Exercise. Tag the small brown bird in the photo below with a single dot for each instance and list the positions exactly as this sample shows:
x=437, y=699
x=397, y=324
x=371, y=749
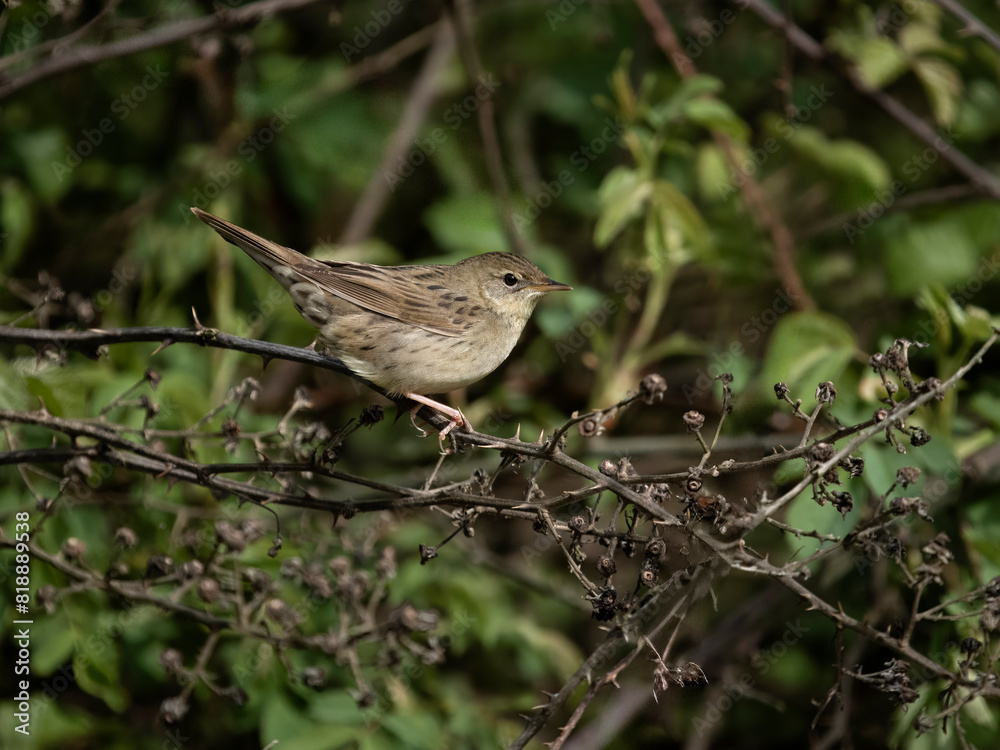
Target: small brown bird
x=413, y=330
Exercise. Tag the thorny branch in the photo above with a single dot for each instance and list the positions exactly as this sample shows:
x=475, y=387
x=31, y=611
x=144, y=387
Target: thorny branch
x=640, y=520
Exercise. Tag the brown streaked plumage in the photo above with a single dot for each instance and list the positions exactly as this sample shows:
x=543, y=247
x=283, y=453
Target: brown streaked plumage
x=413, y=330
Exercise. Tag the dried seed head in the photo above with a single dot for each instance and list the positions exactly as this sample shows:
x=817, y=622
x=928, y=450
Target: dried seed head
x=172, y=710
x=606, y=566
x=655, y=548
x=822, y=452
x=190, y=569
x=826, y=393
x=652, y=388
x=693, y=420
x=385, y=568
x=172, y=660
x=73, y=548
x=371, y=414
x=126, y=538
x=227, y=534
x=781, y=391
x=579, y=524
x=314, y=678
x=591, y=427
x=209, y=590
x=649, y=577
x=281, y=613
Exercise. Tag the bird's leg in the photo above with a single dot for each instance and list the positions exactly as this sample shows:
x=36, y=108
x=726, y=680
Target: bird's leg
x=457, y=418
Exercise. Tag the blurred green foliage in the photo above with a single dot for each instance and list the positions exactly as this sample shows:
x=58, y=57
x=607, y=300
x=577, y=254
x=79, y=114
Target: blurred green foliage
x=619, y=188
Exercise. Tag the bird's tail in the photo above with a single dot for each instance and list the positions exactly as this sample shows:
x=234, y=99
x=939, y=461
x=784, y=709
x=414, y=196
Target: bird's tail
x=274, y=258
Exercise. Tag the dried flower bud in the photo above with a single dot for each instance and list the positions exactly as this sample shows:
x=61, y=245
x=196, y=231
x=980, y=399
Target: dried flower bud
x=339, y=565
x=385, y=568
x=608, y=468
x=993, y=587
x=655, y=548
x=693, y=420
x=292, y=567
x=822, y=452
x=415, y=620
x=933, y=385
x=190, y=569
x=590, y=427
x=227, y=534
x=625, y=468
x=826, y=393
x=314, y=678
x=126, y=538
x=692, y=485
x=579, y=524
x=606, y=566
x=880, y=415
x=172, y=660
x=281, y=613
x=855, y=466
x=371, y=415
x=209, y=590
x=47, y=596
x=990, y=618
x=649, y=577
x=907, y=475
x=152, y=377
x=231, y=429
x=172, y=710
x=843, y=502
x=877, y=361
x=652, y=388
x=252, y=529
x=781, y=391
x=427, y=553
x=159, y=565
x=73, y=548
x=919, y=437
x=971, y=645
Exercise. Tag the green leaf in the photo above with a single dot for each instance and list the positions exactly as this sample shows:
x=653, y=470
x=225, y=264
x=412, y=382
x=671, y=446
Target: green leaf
x=943, y=85
x=688, y=90
x=712, y=170
x=673, y=226
x=850, y=160
x=880, y=61
x=715, y=114
x=937, y=250
x=466, y=225
x=979, y=111
x=98, y=673
x=16, y=221
x=47, y=161
x=622, y=196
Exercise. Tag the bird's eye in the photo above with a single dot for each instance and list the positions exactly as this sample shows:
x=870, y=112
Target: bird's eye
x=510, y=280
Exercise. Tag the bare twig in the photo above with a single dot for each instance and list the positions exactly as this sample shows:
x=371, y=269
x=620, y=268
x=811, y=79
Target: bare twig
x=79, y=56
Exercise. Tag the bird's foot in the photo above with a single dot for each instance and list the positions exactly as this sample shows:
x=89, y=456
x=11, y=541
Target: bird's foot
x=457, y=419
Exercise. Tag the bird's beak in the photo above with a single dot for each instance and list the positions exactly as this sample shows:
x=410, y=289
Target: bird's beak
x=550, y=286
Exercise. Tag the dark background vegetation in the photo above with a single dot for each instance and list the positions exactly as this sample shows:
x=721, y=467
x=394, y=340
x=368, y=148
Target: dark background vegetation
x=354, y=131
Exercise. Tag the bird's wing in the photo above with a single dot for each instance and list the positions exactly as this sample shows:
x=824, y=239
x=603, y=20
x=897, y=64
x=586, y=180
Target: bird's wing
x=417, y=295
x=411, y=294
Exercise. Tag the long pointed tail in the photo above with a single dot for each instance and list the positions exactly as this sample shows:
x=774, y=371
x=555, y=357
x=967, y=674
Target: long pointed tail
x=274, y=258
